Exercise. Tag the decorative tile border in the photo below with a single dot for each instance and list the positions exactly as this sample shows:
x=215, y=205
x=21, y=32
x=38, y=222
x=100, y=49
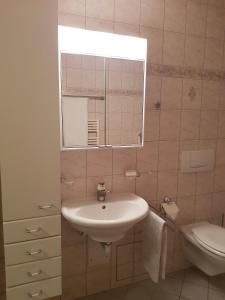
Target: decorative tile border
x=99, y=92
x=185, y=72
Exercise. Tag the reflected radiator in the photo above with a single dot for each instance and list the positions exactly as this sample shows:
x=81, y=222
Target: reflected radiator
x=93, y=132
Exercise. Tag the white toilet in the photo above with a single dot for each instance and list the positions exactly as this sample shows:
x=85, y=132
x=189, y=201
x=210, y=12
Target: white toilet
x=204, y=247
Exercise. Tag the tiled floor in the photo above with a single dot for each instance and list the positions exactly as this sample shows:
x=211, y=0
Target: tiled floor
x=184, y=285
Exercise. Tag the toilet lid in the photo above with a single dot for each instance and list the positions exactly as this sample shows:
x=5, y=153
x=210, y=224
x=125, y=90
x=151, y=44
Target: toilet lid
x=210, y=236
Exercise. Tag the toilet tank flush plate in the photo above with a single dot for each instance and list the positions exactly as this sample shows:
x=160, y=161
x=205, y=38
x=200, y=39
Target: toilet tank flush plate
x=197, y=161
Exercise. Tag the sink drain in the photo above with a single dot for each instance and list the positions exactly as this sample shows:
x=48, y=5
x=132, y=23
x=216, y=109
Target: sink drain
x=103, y=207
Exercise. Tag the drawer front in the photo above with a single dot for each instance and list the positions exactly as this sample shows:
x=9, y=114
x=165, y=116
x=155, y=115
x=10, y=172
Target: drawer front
x=35, y=271
x=30, y=209
x=31, y=229
x=32, y=251
x=38, y=290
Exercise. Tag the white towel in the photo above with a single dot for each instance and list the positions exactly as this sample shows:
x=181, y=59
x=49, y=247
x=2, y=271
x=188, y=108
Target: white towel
x=155, y=246
x=75, y=121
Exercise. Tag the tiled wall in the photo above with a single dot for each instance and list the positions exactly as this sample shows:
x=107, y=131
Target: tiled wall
x=186, y=64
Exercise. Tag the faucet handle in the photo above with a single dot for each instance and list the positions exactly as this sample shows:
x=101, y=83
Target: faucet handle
x=101, y=186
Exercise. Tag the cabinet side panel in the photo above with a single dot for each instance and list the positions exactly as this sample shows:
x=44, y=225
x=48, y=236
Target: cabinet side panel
x=29, y=117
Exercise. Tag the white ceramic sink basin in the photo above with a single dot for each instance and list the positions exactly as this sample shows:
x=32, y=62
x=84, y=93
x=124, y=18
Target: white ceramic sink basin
x=105, y=221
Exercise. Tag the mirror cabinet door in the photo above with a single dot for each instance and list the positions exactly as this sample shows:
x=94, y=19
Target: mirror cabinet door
x=102, y=101
x=124, y=101
x=83, y=100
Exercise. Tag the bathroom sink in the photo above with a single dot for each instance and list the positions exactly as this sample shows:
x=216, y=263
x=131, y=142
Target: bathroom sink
x=106, y=221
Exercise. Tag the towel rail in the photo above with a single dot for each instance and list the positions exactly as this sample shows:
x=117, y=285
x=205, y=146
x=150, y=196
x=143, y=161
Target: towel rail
x=169, y=223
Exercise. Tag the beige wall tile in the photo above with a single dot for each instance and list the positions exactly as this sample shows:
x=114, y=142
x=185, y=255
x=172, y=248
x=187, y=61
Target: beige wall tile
x=207, y=144
x=153, y=91
x=218, y=204
x=147, y=157
x=205, y=182
x=152, y=125
x=70, y=236
x=186, y=184
x=190, y=125
x=218, y=3
x=146, y=186
x=102, y=9
x=127, y=11
x=192, y=94
x=222, y=124
x=203, y=207
x=187, y=207
x=209, y=124
x=127, y=29
x=167, y=184
x=73, y=188
x=173, y=50
x=220, y=157
x=122, y=184
x=171, y=93
x=196, y=18
x=168, y=155
x=155, y=43
x=76, y=7
x=99, y=24
x=194, y=51
x=215, y=23
x=212, y=92
x=169, y=125
x=99, y=162
x=214, y=54
x=73, y=164
x=123, y=160
x=152, y=13
x=175, y=15
x=219, y=179
x=67, y=19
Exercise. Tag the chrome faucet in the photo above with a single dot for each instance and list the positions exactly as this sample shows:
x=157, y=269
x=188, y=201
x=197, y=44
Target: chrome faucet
x=101, y=191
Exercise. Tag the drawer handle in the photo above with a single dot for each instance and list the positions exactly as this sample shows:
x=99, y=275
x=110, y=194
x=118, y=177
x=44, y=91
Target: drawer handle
x=34, y=274
x=33, y=252
x=33, y=230
x=35, y=295
x=48, y=206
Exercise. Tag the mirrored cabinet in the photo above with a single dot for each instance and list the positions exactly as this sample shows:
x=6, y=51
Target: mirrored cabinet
x=102, y=95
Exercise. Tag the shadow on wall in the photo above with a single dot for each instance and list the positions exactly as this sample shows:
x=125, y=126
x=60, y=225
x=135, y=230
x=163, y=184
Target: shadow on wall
x=2, y=268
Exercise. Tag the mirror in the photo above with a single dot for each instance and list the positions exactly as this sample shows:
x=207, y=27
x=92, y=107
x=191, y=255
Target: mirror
x=102, y=96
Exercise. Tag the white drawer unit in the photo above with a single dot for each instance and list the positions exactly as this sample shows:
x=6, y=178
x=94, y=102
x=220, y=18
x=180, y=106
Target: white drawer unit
x=31, y=229
x=38, y=290
x=32, y=251
x=35, y=271
x=30, y=151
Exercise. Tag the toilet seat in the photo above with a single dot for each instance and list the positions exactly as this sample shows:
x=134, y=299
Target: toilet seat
x=211, y=237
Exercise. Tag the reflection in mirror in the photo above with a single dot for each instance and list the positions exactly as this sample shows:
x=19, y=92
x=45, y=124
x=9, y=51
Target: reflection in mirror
x=102, y=89
x=124, y=101
x=83, y=100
